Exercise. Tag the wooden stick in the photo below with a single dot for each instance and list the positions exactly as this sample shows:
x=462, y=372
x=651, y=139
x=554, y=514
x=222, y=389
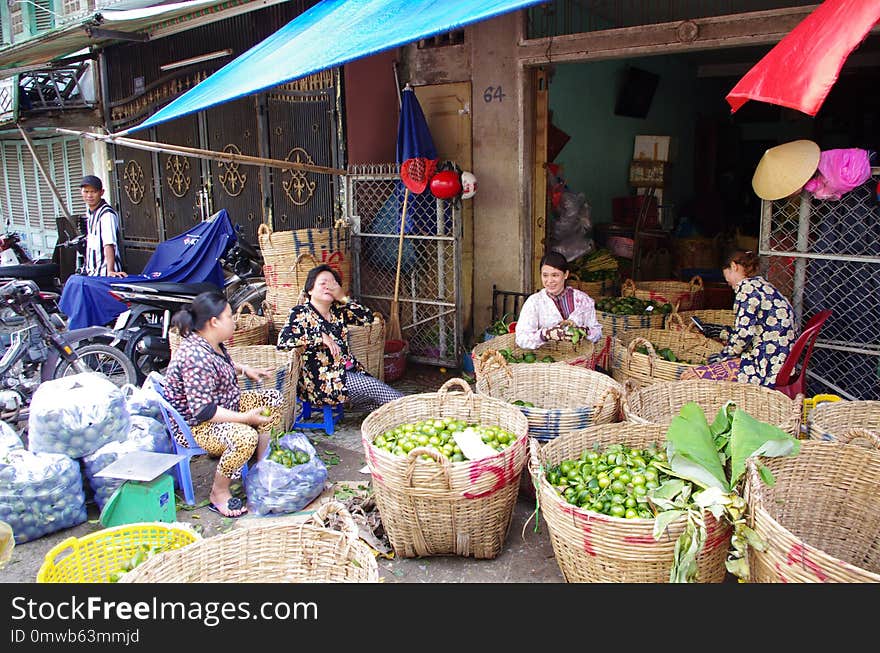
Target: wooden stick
x=394, y=332
x=169, y=148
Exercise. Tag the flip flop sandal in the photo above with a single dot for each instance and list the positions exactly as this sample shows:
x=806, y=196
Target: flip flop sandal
x=234, y=503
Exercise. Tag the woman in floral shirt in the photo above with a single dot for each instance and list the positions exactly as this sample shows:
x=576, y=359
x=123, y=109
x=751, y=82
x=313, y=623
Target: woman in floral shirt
x=330, y=374
x=763, y=330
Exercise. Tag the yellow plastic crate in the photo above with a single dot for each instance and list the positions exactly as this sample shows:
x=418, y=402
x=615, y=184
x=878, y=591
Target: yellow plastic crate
x=92, y=558
x=811, y=403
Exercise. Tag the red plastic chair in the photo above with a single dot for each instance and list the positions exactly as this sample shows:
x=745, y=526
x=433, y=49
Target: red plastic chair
x=792, y=377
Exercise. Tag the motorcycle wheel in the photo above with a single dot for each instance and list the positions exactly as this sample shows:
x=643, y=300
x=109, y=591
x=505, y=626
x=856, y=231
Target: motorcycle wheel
x=103, y=359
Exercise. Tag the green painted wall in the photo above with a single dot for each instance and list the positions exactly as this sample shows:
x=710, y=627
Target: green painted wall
x=597, y=158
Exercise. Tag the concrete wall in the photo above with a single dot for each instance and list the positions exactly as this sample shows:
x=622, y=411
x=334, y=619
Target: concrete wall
x=597, y=158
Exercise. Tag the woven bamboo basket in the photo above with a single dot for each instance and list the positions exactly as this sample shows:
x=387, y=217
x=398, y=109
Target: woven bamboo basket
x=683, y=295
x=604, y=288
x=281, y=251
x=367, y=344
x=566, y=398
x=626, y=363
x=591, y=547
x=613, y=324
x=286, y=365
x=681, y=321
x=830, y=418
x=584, y=354
x=821, y=520
x=277, y=306
x=250, y=329
x=309, y=552
x=439, y=507
x=658, y=403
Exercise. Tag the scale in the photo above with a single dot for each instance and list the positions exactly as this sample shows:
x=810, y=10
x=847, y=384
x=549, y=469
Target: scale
x=148, y=492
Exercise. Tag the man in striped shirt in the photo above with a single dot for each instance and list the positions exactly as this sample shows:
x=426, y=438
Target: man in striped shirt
x=103, y=257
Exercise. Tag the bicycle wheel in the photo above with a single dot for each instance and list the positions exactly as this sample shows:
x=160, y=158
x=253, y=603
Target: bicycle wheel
x=103, y=359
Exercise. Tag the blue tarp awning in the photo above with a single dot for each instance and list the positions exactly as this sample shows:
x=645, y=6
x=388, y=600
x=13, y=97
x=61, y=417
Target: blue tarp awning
x=330, y=34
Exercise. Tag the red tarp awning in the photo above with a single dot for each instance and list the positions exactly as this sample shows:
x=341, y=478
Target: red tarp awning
x=800, y=70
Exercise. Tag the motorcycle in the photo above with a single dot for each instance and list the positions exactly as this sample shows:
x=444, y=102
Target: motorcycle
x=144, y=326
x=43, y=349
x=15, y=262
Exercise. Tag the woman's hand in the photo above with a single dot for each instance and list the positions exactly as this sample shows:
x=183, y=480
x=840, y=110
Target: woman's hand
x=255, y=417
x=332, y=345
x=255, y=373
x=557, y=333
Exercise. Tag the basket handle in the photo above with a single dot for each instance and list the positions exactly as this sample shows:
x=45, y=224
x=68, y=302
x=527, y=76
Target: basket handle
x=492, y=359
x=628, y=288
x=267, y=309
x=301, y=257
x=264, y=230
x=347, y=525
x=678, y=319
x=635, y=342
x=438, y=457
x=696, y=283
x=860, y=434
x=242, y=307
x=611, y=391
x=444, y=389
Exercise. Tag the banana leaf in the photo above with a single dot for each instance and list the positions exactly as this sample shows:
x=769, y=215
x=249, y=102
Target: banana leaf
x=691, y=451
x=750, y=437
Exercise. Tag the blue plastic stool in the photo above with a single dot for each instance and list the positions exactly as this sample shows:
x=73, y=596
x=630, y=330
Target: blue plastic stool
x=331, y=416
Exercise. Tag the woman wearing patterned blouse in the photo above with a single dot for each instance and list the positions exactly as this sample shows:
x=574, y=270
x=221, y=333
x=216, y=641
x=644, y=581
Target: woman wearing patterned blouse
x=763, y=330
x=543, y=314
x=201, y=384
x=330, y=375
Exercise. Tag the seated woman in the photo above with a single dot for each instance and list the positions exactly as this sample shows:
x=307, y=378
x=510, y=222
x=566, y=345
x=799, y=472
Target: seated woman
x=330, y=375
x=763, y=329
x=545, y=314
x=201, y=384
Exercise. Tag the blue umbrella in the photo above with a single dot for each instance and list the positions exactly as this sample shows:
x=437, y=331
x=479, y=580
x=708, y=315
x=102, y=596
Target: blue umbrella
x=417, y=157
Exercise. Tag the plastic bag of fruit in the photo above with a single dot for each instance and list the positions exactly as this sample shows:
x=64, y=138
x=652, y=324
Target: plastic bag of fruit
x=145, y=434
x=287, y=478
x=9, y=439
x=77, y=415
x=40, y=493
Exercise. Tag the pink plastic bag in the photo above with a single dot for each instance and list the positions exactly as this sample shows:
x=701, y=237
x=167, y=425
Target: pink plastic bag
x=839, y=172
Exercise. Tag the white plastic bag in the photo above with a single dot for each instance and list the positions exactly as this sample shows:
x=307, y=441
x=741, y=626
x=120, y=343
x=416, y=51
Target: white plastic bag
x=77, y=415
x=274, y=488
x=9, y=439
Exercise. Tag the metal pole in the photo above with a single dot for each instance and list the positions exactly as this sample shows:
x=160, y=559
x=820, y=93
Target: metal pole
x=800, y=264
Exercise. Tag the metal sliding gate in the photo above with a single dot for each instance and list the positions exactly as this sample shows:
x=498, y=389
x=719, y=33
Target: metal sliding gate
x=430, y=277
x=826, y=254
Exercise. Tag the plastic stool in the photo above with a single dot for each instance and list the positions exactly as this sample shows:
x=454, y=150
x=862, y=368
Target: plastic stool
x=331, y=416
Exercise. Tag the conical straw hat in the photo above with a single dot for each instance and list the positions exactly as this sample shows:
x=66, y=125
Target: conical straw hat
x=785, y=169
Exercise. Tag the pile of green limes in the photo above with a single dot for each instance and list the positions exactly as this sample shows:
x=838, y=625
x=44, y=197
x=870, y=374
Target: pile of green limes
x=614, y=482
x=288, y=457
x=631, y=306
x=437, y=434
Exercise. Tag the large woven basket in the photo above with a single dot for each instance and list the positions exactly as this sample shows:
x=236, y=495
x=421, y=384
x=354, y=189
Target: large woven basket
x=281, y=251
x=591, y=547
x=285, y=364
x=250, y=329
x=683, y=295
x=367, y=344
x=279, y=300
x=440, y=507
x=658, y=403
x=309, y=552
x=583, y=354
x=644, y=369
x=613, y=324
x=681, y=320
x=821, y=520
x=831, y=418
x=565, y=397
x=604, y=288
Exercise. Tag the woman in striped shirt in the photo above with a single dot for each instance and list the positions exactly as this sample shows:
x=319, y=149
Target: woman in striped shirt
x=543, y=314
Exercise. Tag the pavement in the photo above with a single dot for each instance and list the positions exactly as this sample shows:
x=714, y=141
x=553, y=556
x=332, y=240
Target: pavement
x=527, y=556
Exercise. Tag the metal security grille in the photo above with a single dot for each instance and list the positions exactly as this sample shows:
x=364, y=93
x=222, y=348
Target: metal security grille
x=826, y=254
x=430, y=297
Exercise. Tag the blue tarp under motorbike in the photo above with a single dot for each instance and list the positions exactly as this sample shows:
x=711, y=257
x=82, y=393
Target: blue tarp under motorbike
x=192, y=257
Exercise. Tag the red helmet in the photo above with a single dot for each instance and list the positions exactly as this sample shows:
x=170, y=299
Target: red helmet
x=445, y=184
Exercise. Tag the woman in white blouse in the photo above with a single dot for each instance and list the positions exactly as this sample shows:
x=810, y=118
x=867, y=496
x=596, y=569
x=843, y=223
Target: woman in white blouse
x=543, y=314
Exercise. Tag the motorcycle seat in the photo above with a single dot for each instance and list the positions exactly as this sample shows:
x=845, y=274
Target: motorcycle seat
x=170, y=288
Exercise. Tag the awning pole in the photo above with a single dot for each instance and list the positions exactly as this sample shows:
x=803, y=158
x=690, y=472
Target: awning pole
x=168, y=148
x=69, y=227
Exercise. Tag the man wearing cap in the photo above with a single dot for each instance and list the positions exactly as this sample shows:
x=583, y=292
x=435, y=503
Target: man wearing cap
x=103, y=258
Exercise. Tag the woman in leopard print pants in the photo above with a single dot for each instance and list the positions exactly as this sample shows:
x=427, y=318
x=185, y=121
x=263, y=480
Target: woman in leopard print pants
x=201, y=384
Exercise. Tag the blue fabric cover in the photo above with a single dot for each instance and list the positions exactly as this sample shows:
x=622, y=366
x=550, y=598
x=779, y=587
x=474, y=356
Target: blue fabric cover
x=191, y=257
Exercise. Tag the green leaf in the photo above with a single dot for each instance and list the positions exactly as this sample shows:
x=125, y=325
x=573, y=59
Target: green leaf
x=766, y=475
x=691, y=449
x=752, y=538
x=739, y=568
x=687, y=548
x=663, y=519
x=723, y=419
x=750, y=437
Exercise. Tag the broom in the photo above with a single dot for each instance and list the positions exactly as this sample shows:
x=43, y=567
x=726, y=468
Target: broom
x=393, y=332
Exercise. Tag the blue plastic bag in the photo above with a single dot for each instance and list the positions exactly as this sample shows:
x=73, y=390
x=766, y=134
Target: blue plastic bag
x=273, y=488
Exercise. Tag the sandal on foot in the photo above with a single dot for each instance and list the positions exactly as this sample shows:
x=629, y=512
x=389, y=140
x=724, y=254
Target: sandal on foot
x=234, y=503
